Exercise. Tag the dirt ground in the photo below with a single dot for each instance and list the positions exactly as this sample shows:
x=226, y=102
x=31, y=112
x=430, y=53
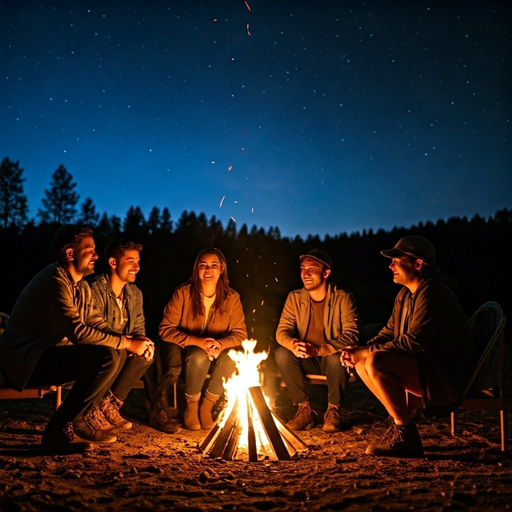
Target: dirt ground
x=147, y=470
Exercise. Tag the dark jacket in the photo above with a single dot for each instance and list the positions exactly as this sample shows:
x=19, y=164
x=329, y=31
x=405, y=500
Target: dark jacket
x=341, y=320
x=104, y=313
x=438, y=334
x=46, y=314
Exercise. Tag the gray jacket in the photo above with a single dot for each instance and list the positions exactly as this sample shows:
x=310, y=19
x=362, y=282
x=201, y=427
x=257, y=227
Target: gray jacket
x=51, y=310
x=341, y=320
x=104, y=310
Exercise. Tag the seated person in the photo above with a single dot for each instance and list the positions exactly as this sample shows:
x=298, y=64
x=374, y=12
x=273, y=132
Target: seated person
x=117, y=309
x=421, y=358
x=316, y=323
x=205, y=317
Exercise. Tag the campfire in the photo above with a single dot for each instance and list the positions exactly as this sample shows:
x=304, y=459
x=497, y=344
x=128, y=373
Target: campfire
x=247, y=428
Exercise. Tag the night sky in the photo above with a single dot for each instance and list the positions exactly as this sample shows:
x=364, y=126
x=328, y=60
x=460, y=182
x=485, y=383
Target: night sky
x=314, y=116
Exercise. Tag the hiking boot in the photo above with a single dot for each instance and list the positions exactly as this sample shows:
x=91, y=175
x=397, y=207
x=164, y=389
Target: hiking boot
x=63, y=439
x=159, y=419
x=109, y=407
x=304, y=418
x=398, y=441
x=332, y=419
x=92, y=427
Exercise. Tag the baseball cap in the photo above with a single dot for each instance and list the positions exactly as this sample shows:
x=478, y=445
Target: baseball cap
x=415, y=246
x=318, y=255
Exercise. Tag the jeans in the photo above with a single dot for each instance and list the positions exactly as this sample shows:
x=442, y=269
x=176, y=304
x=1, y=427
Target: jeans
x=197, y=367
x=293, y=368
x=163, y=372
x=92, y=368
x=133, y=369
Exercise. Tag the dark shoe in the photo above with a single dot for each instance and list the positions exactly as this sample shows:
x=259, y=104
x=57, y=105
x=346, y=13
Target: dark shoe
x=332, y=419
x=92, y=428
x=159, y=419
x=191, y=416
x=63, y=439
x=110, y=406
x=398, y=441
x=304, y=418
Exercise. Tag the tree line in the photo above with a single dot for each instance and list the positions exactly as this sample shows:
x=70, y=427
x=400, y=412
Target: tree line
x=263, y=266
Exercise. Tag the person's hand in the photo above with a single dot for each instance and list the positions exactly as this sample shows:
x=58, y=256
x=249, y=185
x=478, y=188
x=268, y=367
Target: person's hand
x=351, y=355
x=212, y=348
x=142, y=347
x=303, y=349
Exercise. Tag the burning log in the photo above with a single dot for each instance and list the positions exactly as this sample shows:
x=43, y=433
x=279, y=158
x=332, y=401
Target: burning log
x=247, y=424
x=267, y=435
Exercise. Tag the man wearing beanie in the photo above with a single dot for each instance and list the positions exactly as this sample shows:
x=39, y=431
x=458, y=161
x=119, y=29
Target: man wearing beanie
x=316, y=323
x=421, y=358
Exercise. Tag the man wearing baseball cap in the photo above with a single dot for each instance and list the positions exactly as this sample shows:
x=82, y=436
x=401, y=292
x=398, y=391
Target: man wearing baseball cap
x=421, y=358
x=316, y=323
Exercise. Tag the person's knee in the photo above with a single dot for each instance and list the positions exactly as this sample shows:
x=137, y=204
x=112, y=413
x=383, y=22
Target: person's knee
x=106, y=360
x=375, y=362
x=333, y=364
x=197, y=358
x=282, y=356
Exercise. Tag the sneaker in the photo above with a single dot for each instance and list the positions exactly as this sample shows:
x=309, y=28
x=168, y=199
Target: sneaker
x=92, y=427
x=110, y=406
x=398, y=441
x=332, y=419
x=160, y=419
x=63, y=439
x=304, y=418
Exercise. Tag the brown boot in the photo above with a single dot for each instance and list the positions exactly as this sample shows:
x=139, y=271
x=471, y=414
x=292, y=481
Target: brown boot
x=110, y=406
x=191, y=416
x=205, y=410
x=304, y=418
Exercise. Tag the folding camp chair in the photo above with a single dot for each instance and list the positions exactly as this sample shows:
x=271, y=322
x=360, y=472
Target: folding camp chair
x=487, y=330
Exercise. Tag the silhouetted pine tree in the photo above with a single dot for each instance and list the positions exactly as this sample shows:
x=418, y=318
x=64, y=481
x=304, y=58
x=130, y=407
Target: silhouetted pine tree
x=108, y=227
x=60, y=200
x=88, y=214
x=13, y=202
x=165, y=221
x=154, y=220
x=231, y=229
x=134, y=225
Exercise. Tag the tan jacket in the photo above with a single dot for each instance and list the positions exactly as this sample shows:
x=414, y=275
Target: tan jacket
x=341, y=320
x=178, y=325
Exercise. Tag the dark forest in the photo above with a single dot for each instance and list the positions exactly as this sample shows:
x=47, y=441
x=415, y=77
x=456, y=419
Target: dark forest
x=263, y=266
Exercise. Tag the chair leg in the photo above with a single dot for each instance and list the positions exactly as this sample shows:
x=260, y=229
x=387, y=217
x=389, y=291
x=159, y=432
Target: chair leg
x=453, y=421
x=504, y=430
x=58, y=397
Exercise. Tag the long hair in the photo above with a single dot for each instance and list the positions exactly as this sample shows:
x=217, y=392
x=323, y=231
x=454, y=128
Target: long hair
x=222, y=290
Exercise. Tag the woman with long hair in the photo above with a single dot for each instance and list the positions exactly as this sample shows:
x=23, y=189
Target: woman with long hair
x=205, y=318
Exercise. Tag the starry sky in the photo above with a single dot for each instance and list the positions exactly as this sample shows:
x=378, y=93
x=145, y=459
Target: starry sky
x=318, y=117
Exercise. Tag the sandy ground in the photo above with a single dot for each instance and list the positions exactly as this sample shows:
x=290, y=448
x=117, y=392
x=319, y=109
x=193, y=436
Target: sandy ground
x=147, y=470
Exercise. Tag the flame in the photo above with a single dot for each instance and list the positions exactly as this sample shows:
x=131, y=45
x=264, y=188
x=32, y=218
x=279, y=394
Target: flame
x=237, y=392
x=247, y=425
